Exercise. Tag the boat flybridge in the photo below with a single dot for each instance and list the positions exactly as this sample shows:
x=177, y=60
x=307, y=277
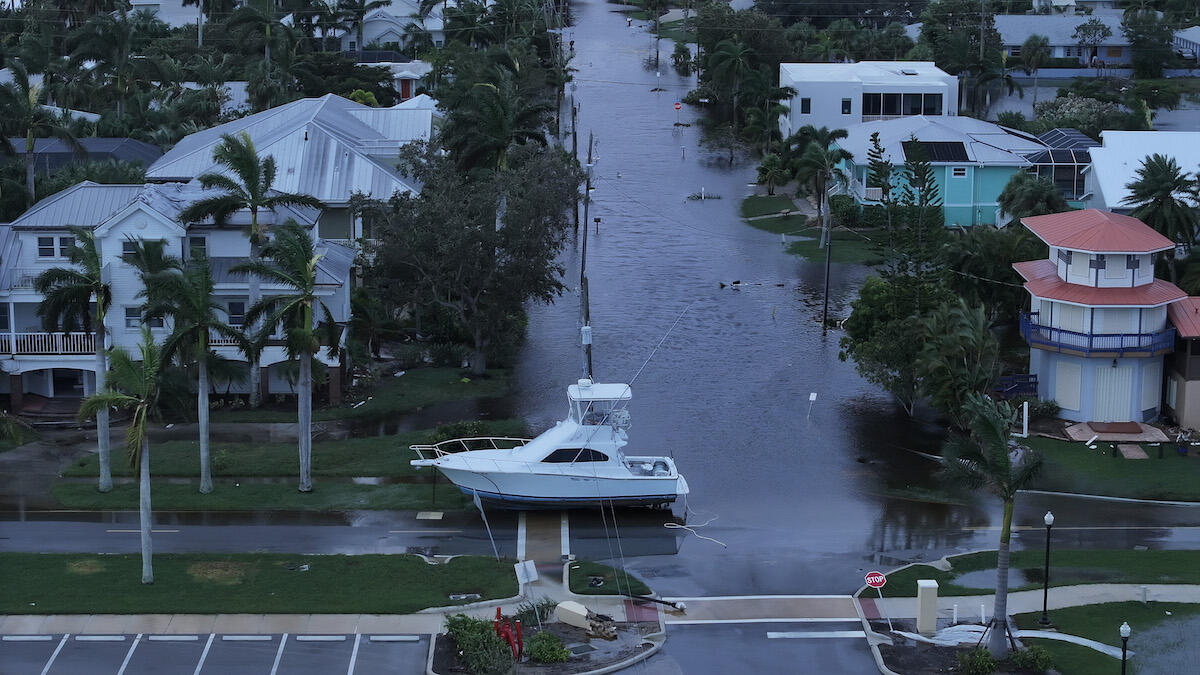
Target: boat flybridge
x=577, y=462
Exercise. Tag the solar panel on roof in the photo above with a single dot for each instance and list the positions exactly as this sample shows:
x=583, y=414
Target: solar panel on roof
x=938, y=151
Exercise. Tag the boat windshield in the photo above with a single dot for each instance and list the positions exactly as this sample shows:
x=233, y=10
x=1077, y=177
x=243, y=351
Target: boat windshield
x=593, y=411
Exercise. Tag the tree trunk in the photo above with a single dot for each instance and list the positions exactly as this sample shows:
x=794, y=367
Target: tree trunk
x=304, y=413
x=998, y=638
x=255, y=293
x=206, y=484
x=146, y=516
x=1035, y=85
x=29, y=159
x=102, y=430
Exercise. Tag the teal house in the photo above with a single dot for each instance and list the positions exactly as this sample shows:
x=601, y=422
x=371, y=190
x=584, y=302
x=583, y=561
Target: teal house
x=972, y=161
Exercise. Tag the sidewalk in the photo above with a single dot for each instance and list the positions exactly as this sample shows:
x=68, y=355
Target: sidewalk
x=1020, y=602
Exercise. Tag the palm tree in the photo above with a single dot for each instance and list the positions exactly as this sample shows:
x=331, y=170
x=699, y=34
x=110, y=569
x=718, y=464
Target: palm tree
x=293, y=264
x=353, y=12
x=1034, y=54
x=1158, y=196
x=21, y=105
x=249, y=187
x=1028, y=195
x=251, y=23
x=470, y=24
x=821, y=163
x=134, y=386
x=79, y=296
x=186, y=298
x=772, y=171
x=995, y=74
x=111, y=42
x=495, y=117
x=984, y=458
x=729, y=63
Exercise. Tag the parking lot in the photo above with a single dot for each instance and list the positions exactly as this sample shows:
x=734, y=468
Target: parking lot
x=216, y=654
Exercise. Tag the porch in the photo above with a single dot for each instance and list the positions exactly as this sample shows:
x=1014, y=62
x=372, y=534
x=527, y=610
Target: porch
x=1108, y=345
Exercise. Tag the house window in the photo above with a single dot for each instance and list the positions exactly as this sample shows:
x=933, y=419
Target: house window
x=1172, y=392
x=1113, y=52
x=4, y=316
x=1014, y=50
x=128, y=249
x=65, y=244
x=891, y=104
x=959, y=171
x=1132, y=262
x=45, y=247
x=933, y=104
x=912, y=104
x=353, y=46
x=846, y=107
x=805, y=106
x=197, y=246
x=237, y=313
x=134, y=321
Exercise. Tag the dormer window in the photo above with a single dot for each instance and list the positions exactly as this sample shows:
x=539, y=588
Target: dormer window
x=1064, y=256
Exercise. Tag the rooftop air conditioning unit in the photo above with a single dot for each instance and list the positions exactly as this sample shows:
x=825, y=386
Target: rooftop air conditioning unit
x=873, y=194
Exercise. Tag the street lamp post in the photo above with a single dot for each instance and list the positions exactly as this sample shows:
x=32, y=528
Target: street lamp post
x=1049, y=520
x=1125, y=631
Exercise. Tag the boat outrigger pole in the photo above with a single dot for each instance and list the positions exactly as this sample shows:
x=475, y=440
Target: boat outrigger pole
x=585, y=312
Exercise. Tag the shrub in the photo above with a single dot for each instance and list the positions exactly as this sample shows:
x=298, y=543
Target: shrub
x=1047, y=409
x=1033, y=658
x=448, y=354
x=844, y=210
x=1012, y=119
x=978, y=661
x=546, y=647
x=530, y=613
x=479, y=648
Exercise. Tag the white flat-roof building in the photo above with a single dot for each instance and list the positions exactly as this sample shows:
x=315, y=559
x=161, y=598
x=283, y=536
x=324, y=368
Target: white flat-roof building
x=1116, y=160
x=837, y=95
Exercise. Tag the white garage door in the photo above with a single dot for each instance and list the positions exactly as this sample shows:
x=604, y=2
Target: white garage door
x=1113, y=395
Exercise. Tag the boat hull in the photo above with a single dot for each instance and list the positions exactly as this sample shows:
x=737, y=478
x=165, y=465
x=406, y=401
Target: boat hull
x=524, y=491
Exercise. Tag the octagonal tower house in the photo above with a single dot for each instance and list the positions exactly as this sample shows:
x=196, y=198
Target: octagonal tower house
x=1097, y=326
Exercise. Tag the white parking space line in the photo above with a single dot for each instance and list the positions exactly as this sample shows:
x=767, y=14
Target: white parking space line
x=395, y=638
x=565, y=533
x=129, y=654
x=27, y=638
x=424, y=531
x=248, y=638
x=321, y=638
x=429, y=515
x=279, y=654
x=521, y=536
x=53, y=656
x=818, y=634
x=807, y=619
x=173, y=638
x=138, y=531
x=354, y=654
x=204, y=654
x=100, y=638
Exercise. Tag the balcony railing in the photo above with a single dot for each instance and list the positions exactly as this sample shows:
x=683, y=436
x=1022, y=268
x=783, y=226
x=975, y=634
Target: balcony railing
x=23, y=277
x=47, y=343
x=1095, y=344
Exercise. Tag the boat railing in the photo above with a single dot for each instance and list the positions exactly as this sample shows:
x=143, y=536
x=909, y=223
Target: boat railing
x=456, y=445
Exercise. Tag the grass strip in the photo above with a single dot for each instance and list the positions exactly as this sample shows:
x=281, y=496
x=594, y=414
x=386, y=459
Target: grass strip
x=392, y=395
x=581, y=572
x=765, y=205
x=1071, y=467
x=793, y=224
x=266, y=583
x=849, y=246
x=259, y=497
x=1067, y=568
x=373, y=456
x=1101, y=623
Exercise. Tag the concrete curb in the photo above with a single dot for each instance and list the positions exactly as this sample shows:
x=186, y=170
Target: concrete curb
x=944, y=560
x=1105, y=498
x=452, y=609
x=873, y=644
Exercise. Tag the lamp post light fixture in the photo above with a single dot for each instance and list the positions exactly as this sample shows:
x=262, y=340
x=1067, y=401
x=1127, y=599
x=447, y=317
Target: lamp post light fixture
x=1125, y=631
x=1045, y=621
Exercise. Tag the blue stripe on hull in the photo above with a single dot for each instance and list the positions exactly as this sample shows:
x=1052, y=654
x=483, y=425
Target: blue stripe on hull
x=518, y=501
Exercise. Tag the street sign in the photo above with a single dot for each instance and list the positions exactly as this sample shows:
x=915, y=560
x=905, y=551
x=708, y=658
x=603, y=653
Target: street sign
x=678, y=105
x=876, y=579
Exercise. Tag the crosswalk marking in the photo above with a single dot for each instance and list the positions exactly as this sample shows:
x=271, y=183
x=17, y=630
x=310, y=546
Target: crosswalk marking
x=816, y=634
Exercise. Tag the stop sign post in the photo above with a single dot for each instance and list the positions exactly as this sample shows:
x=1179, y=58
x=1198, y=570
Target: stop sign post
x=678, y=107
x=877, y=580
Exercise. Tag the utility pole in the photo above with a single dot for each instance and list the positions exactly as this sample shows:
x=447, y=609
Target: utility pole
x=200, y=24
x=585, y=331
x=575, y=150
x=981, y=33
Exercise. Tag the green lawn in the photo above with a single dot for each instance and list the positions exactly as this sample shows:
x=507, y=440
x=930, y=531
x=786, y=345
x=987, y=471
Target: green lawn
x=1101, y=623
x=1071, y=467
x=372, y=456
x=393, y=395
x=675, y=30
x=763, y=205
x=581, y=570
x=793, y=224
x=1067, y=568
x=326, y=496
x=849, y=246
x=264, y=583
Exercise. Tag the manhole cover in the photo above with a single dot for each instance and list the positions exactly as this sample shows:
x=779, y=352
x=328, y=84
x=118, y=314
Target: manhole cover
x=581, y=649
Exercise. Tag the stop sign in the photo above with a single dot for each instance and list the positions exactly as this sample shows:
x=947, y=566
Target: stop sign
x=678, y=105
x=876, y=579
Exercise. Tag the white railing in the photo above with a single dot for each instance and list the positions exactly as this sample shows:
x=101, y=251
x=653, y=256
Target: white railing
x=23, y=277
x=47, y=343
x=218, y=340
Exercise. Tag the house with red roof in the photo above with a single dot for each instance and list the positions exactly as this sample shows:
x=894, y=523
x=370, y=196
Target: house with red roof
x=1097, y=323
x=1182, y=397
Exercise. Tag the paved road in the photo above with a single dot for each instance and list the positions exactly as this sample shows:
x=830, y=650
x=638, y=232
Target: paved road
x=826, y=648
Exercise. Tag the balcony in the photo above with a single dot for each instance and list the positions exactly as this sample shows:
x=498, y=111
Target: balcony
x=1095, y=344
x=32, y=344
x=23, y=277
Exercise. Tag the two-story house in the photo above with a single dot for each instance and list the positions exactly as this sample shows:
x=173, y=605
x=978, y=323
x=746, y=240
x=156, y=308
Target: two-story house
x=1097, y=324
x=50, y=362
x=837, y=95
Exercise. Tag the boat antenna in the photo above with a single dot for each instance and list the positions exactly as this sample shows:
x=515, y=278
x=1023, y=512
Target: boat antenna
x=585, y=311
x=660, y=343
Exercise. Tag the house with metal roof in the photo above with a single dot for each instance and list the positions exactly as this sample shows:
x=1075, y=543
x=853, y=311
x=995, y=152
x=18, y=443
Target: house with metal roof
x=329, y=147
x=52, y=154
x=1097, y=322
x=393, y=24
x=972, y=161
x=1059, y=30
x=45, y=362
x=1115, y=162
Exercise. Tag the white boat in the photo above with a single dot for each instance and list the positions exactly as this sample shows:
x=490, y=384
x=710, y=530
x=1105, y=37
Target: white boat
x=577, y=462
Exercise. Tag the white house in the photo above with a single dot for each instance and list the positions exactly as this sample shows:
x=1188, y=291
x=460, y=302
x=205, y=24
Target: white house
x=1059, y=30
x=1187, y=42
x=1071, y=6
x=1097, y=324
x=329, y=147
x=1114, y=163
x=171, y=12
x=60, y=363
x=837, y=95
x=392, y=24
